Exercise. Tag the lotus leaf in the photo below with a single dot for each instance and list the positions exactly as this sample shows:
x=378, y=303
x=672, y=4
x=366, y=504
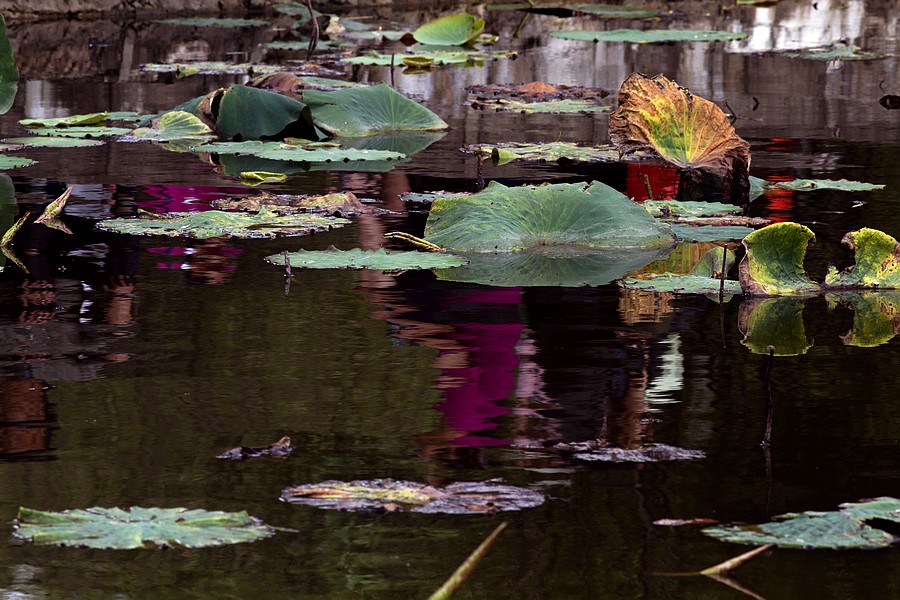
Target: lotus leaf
x=637, y=36
x=710, y=233
x=805, y=185
x=854, y=526
x=557, y=266
x=836, y=51
x=876, y=317
x=338, y=204
x=594, y=450
x=684, y=258
x=70, y=121
x=438, y=57
x=300, y=10
x=260, y=177
x=683, y=284
x=138, y=527
x=690, y=132
x=215, y=223
x=9, y=74
x=368, y=259
x=672, y=209
x=403, y=142
x=14, y=162
x=289, y=152
x=212, y=22
x=175, y=125
x=550, y=106
x=606, y=11
x=774, y=323
x=303, y=44
x=773, y=264
x=247, y=113
x=369, y=111
x=511, y=219
x=80, y=132
x=877, y=264
x=502, y=154
x=53, y=142
x=211, y=68
x=451, y=30
x=279, y=449
x=377, y=494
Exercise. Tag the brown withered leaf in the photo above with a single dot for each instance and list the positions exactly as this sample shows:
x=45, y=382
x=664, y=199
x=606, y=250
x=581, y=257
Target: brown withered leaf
x=279, y=449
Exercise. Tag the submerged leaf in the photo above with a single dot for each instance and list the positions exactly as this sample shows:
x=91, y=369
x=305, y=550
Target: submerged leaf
x=138, y=527
x=259, y=177
x=854, y=526
x=773, y=323
x=636, y=36
x=773, y=264
x=711, y=233
x=690, y=132
x=877, y=265
x=367, y=259
x=451, y=30
x=511, y=219
x=377, y=494
x=81, y=131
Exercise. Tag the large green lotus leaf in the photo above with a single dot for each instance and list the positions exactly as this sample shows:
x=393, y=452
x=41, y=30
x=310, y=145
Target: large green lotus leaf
x=557, y=266
x=877, y=264
x=368, y=259
x=636, y=36
x=248, y=113
x=451, y=30
x=138, y=527
x=852, y=527
x=70, y=121
x=53, y=142
x=773, y=323
x=404, y=142
x=711, y=233
x=369, y=111
x=690, y=132
x=836, y=51
x=175, y=125
x=773, y=264
x=293, y=153
x=876, y=317
x=457, y=498
x=671, y=209
x=14, y=162
x=215, y=223
x=212, y=22
x=80, y=132
x=9, y=74
x=510, y=219
x=607, y=11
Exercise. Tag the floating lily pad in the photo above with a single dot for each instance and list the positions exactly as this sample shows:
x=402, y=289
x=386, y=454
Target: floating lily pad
x=451, y=30
x=594, y=450
x=211, y=68
x=388, y=494
x=836, y=51
x=774, y=323
x=215, y=223
x=53, y=142
x=636, y=36
x=368, y=111
x=211, y=22
x=138, y=527
x=175, y=125
x=303, y=45
x=368, y=259
x=80, y=132
x=773, y=264
x=279, y=449
x=328, y=83
x=290, y=152
x=511, y=219
x=806, y=185
x=876, y=317
x=70, y=121
x=877, y=264
x=537, y=97
x=703, y=278
x=690, y=132
x=607, y=11
x=431, y=57
x=551, y=107
x=672, y=209
x=855, y=526
x=9, y=73
x=337, y=204
x=711, y=233
x=557, y=266
x=502, y=154
x=14, y=162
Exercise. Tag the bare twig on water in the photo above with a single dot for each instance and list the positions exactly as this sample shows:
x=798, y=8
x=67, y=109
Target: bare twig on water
x=770, y=402
x=411, y=239
x=462, y=573
x=647, y=185
x=733, y=563
x=314, y=36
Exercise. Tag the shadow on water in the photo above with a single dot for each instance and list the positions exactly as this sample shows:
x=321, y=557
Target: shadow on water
x=130, y=363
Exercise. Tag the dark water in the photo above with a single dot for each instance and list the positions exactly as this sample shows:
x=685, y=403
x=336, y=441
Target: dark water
x=128, y=364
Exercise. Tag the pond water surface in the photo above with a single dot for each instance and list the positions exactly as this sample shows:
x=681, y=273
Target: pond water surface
x=129, y=363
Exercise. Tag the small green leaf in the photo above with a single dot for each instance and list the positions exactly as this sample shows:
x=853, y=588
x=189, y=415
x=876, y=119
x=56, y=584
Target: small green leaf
x=70, y=121
x=877, y=264
x=451, y=30
x=14, y=162
x=175, y=125
x=774, y=323
x=502, y=154
x=683, y=284
x=773, y=264
x=368, y=259
x=637, y=36
x=671, y=209
x=258, y=177
x=806, y=185
x=115, y=528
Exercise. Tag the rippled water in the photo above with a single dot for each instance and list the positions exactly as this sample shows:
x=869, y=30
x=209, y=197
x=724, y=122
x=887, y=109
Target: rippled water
x=129, y=363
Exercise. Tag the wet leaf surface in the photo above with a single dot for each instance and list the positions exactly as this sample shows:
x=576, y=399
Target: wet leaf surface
x=876, y=262
x=175, y=125
x=70, y=121
x=215, y=223
x=451, y=30
x=851, y=527
x=598, y=451
x=683, y=522
x=774, y=323
x=253, y=178
x=539, y=97
x=339, y=204
x=53, y=142
x=368, y=259
x=773, y=264
x=502, y=154
x=14, y=162
x=81, y=131
x=307, y=153
x=636, y=36
x=673, y=209
x=375, y=494
x=137, y=527
x=279, y=449
x=710, y=233
x=682, y=284
x=512, y=219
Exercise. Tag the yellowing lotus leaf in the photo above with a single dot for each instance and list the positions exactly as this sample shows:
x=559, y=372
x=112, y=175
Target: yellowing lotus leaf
x=773, y=265
x=877, y=262
x=690, y=132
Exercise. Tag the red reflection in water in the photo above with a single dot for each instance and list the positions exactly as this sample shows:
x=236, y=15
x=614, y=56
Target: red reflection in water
x=780, y=202
x=663, y=181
